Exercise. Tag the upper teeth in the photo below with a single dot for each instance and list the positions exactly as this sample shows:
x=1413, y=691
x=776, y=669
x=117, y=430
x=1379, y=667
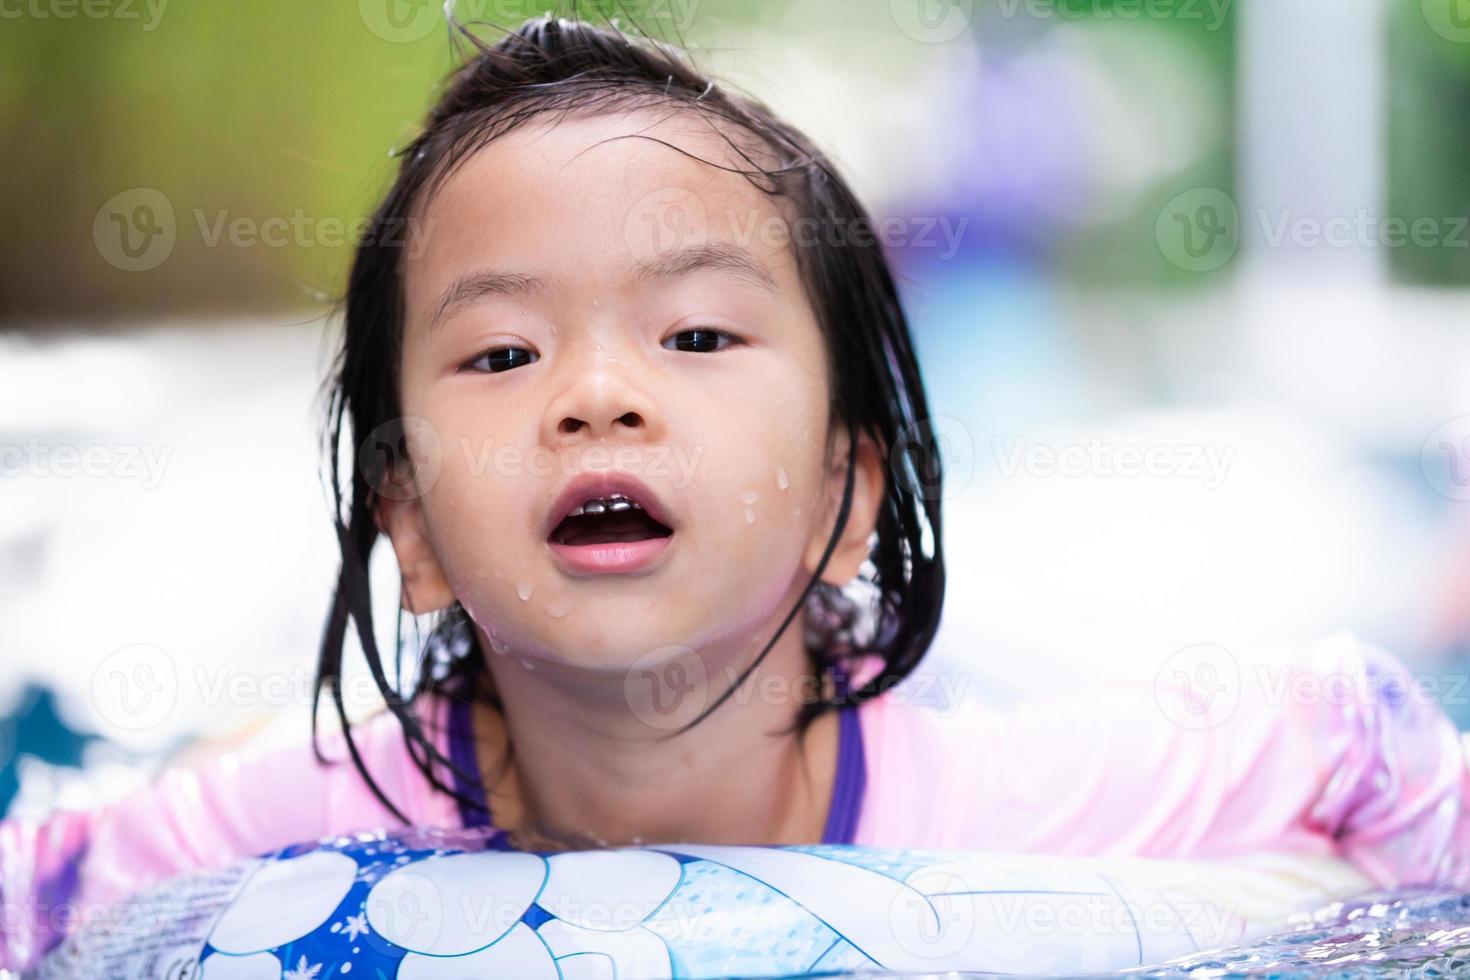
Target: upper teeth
x=598, y=505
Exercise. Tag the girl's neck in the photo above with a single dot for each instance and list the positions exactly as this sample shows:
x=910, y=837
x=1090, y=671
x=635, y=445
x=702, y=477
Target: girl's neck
x=585, y=771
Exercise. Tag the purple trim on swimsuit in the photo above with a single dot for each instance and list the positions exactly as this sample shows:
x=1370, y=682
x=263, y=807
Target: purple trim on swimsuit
x=851, y=781
x=848, y=787
x=462, y=754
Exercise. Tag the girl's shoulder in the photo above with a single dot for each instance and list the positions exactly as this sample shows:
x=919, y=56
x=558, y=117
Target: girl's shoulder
x=229, y=800
x=327, y=784
x=1330, y=746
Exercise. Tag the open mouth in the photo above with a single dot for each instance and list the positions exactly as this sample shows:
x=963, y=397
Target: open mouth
x=607, y=520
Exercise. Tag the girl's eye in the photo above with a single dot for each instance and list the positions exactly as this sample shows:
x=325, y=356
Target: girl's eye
x=502, y=359
x=701, y=340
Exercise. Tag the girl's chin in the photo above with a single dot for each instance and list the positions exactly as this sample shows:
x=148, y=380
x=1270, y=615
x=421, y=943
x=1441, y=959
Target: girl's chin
x=604, y=634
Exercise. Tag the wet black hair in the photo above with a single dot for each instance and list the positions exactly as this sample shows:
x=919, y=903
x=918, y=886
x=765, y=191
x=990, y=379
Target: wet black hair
x=556, y=67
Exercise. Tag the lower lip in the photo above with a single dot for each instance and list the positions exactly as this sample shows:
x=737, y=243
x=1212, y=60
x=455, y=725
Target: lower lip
x=610, y=557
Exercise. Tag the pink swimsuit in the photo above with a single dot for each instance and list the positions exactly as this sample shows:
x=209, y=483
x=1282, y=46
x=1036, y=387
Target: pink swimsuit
x=1340, y=755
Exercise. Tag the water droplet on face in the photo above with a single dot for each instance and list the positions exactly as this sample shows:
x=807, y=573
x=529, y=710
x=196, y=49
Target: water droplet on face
x=749, y=516
x=558, y=608
x=781, y=480
x=749, y=497
x=527, y=664
x=524, y=590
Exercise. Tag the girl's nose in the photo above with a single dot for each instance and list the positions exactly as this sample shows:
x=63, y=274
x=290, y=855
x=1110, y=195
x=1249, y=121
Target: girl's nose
x=631, y=420
x=599, y=401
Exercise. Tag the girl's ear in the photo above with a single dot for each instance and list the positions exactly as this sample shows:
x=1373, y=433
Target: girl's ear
x=868, y=484
x=425, y=589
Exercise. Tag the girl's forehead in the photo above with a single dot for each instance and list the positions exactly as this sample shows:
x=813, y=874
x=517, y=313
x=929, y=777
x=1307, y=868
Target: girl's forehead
x=605, y=195
x=613, y=158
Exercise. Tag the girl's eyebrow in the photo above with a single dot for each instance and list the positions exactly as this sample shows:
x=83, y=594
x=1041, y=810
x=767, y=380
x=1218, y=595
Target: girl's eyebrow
x=720, y=256
x=473, y=285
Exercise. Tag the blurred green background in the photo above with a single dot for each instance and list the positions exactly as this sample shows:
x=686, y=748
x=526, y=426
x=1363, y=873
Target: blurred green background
x=263, y=109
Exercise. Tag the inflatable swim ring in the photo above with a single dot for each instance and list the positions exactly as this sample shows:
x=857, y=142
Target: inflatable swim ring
x=428, y=904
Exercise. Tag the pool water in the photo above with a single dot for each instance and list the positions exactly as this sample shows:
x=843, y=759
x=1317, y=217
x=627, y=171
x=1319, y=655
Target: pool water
x=1383, y=934
x=1404, y=934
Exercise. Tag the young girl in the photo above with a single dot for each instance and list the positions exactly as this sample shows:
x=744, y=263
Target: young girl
x=639, y=415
